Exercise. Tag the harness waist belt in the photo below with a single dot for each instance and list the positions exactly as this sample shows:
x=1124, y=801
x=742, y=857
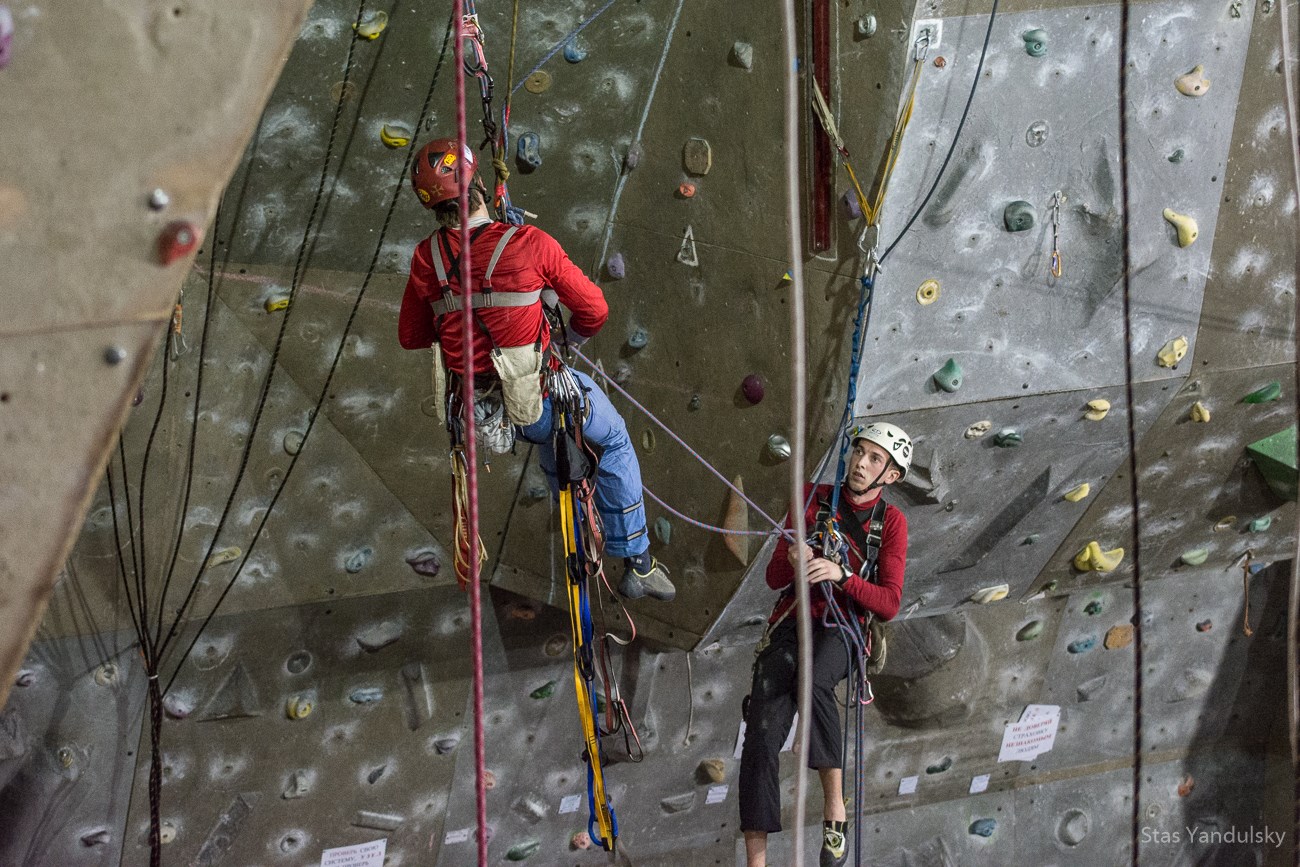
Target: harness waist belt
x=488, y=299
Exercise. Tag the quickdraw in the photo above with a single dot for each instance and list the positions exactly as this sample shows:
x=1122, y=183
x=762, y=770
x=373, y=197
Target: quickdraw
x=476, y=65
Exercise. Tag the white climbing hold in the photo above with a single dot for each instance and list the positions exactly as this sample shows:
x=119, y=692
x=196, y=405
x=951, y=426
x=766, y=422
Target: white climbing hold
x=990, y=594
x=978, y=429
x=687, y=255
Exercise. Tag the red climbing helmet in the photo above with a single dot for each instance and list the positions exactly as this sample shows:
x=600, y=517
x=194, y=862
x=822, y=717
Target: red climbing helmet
x=433, y=174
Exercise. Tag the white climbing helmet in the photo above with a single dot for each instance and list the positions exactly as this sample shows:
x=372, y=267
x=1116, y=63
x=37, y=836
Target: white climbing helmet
x=890, y=437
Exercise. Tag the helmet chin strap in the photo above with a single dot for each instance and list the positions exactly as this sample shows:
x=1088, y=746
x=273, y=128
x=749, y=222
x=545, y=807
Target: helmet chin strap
x=876, y=483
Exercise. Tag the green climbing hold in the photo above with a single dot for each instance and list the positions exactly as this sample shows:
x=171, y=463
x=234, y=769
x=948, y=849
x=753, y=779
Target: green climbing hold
x=1035, y=42
x=520, y=851
x=1195, y=557
x=546, y=690
x=1019, y=216
x=1259, y=525
x=1177, y=156
x=663, y=530
x=1008, y=438
x=1276, y=458
x=1093, y=608
x=1264, y=394
x=1030, y=539
x=941, y=766
x=1048, y=587
x=948, y=377
x=1030, y=631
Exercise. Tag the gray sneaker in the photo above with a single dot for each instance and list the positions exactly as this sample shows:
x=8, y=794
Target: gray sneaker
x=654, y=583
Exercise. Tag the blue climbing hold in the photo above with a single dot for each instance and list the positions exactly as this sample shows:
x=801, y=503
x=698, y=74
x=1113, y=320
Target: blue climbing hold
x=1256, y=568
x=1082, y=645
x=366, y=695
x=575, y=51
x=639, y=339
x=529, y=150
x=984, y=827
x=359, y=560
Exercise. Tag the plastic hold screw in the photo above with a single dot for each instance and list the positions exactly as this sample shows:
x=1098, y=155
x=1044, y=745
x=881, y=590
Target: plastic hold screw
x=1200, y=412
x=697, y=156
x=1193, y=83
x=359, y=560
x=575, y=50
x=753, y=388
x=520, y=851
x=373, y=24
x=778, y=447
x=6, y=36
x=1097, y=409
x=616, y=267
x=1259, y=525
x=1188, y=230
x=949, y=376
x=1008, y=438
x=225, y=555
x=978, y=430
x=276, y=303
x=983, y=827
x=394, y=136
x=1172, y=352
x=1093, y=559
x=990, y=594
x=638, y=339
x=1077, y=493
x=865, y=27
x=1030, y=631
x=1019, y=216
x=425, y=563
x=742, y=54
x=1082, y=645
x=299, y=707
x=1270, y=392
x=1195, y=557
x=177, y=240
x=546, y=690
x=1035, y=42
x=528, y=151
x=927, y=293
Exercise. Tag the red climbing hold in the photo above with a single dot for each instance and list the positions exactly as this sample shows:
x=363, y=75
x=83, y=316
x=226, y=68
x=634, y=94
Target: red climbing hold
x=1204, y=626
x=686, y=191
x=178, y=240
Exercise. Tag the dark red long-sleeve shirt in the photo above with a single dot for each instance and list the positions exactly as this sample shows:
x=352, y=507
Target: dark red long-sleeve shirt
x=532, y=260
x=883, y=599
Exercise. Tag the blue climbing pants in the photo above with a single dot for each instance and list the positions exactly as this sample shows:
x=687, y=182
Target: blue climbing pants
x=618, y=478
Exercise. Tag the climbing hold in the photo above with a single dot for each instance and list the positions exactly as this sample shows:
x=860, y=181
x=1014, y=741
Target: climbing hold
x=1193, y=83
x=6, y=36
x=365, y=695
x=1185, y=785
x=1089, y=688
x=106, y=674
x=983, y=827
x=489, y=780
x=632, y=158
x=98, y=837
x=978, y=429
x=1192, y=683
x=948, y=377
x=990, y=594
x=394, y=135
x=678, y=803
x=1082, y=645
x=1008, y=438
x=686, y=253
x=1259, y=525
x=1019, y=216
x=742, y=54
x=1030, y=631
x=1093, y=608
x=928, y=293
x=1073, y=826
x=166, y=833
x=1037, y=133
x=425, y=563
x=1029, y=540
x=737, y=518
x=574, y=50
x=520, y=851
x=865, y=27
x=1097, y=409
x=538, y=82
x=1178, y=156
x=686, y=191
x=616, y=266
x=177, y=706
x=292, y=442
x=25, y=678
x=1172, y=352
x=1093, y=559
x=1200, y=412
x=1035, y=42
x=849, y=203
x=299, y=707
x=276, y=303
x=940, y=766
x=526, y=611
x=1120, y=635
x=1264, y=394
x=622, y=372
x=528, y=151
x=580, y=840
x=1256, y=568
x=753, y=388
x=546, y=690
x=1077, y=493
x=1205, y=626
x=778, y=447
x=1195, y=557
x=1275, y=457
x=443, y=746
x=158, y=199
x=379, y=636
x=940, y=62
x=372, y=24
x=663, y=530
x=638, y=339
x=177, y=240
x=378, y=821
x=298, y=662
x=225, y=555
x=359, y=560
x=697, y=156
x=695, y=402
x=1224, y=523
x=1188, y=230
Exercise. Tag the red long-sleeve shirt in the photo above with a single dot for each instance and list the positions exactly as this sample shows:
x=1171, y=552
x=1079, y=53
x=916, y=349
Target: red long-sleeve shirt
x=532, y=260
x=883, y=599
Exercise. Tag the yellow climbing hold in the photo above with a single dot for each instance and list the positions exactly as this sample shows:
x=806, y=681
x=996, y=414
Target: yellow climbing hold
x=1188, y=230
x=737, y=519
x=1093, y=559
x=1097, y=409
x=1193, y=83
x=1172, y=352
x=394, y=136
x=538, y=82
x=299, y=707
x=928, y=293
x=225, y=555
x=276, y=303
x=374, y=24
x=1200, y=412
x=978, y=429
x=1076, y=494
x=991, y=594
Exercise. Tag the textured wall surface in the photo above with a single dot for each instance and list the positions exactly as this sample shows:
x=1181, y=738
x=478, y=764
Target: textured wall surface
x=328, y=700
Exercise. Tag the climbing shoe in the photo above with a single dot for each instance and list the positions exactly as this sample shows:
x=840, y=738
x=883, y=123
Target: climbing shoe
x=835, y=848
x=646, y=576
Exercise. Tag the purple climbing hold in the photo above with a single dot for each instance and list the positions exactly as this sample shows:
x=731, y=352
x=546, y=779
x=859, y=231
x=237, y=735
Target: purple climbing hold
x=852, y=209
x=753, y=388
x=633, y=158
x=6, y=36
x=616, y=267
x=425, y=563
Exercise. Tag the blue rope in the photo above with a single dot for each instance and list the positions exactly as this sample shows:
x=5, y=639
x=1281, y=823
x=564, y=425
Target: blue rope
x=860, y=324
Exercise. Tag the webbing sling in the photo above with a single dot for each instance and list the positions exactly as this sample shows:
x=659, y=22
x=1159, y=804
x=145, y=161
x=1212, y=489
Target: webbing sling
x=452, y=302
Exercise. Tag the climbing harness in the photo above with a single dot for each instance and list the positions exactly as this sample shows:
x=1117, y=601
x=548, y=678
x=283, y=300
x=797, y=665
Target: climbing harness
x=1058, y=199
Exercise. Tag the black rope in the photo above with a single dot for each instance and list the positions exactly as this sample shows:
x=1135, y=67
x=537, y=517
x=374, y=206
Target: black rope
x=1130, y=404
x=117, y=548
x=338, y=354
x=142, y=578
x=993, y=14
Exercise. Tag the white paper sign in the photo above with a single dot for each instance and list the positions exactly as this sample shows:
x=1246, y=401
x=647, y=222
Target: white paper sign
x=457, y=836
x=1033, y=735
x=717, y=794
x=979, y=784
x=907, y=785
x=358, y=855
x=570, y=803
x=785, y=748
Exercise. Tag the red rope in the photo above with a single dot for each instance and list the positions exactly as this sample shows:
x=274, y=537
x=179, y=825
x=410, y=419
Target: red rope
x=471, y=456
